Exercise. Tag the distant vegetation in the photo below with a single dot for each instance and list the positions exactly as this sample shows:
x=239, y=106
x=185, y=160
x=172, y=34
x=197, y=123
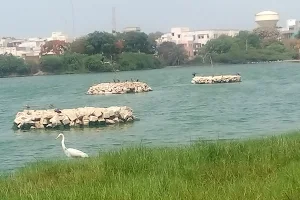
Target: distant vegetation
x=11, y=65
x=256, y=169
x=95, y=52
x=258, y=46
x=105, y=52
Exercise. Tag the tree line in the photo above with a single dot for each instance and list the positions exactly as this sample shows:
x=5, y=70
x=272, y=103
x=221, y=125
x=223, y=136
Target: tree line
x=106, y=52
x=259, y=45
x=95, y=52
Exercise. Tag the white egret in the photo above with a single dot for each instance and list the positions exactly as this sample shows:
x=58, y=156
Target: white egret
x=70, y=152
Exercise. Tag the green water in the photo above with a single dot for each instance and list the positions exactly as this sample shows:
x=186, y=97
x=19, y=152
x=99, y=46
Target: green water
x=176, y=112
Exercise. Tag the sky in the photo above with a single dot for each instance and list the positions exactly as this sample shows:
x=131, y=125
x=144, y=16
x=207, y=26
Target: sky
x=38, y=18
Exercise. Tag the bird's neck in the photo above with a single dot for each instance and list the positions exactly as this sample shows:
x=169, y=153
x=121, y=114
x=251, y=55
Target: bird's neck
x=63, y=143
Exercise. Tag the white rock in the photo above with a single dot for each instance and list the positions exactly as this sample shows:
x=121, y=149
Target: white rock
x=66, y=120
x=44, y=121
x=48, y=118
x=85, y=120
x=78, y=121
x=71, y=113
x=109, y=121
x=98, y=112
x=38, y=125
x=55, y=121
x=93, y=119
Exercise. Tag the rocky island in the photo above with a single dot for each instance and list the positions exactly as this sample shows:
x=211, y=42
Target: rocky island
x=216, y=79
x=66, y=118
x=118, y=88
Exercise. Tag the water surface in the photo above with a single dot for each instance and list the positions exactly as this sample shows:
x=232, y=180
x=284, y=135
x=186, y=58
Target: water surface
x=176, y=112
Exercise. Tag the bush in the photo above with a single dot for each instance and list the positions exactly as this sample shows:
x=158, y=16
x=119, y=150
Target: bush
x=74, y=62
x=52, y=64
x=137, y=61
x=11, y=65
x=98, y=63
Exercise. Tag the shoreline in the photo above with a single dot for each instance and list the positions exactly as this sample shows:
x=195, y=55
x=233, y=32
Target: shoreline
x=260, y=166
x=179, y=66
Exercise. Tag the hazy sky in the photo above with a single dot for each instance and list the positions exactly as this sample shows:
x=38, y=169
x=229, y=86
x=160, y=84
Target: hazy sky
x=30, y=18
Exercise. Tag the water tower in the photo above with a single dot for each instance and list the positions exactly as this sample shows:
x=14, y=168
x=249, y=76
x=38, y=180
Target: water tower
x=267, y=19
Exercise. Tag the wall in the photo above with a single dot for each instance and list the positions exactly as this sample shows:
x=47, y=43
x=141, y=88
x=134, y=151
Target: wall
x=193, y=40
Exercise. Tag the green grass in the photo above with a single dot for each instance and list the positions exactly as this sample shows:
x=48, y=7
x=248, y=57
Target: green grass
x=254, y=169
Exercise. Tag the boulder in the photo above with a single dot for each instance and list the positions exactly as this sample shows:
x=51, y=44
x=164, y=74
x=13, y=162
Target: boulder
x=118, y=88
x=216, y=79
x=66, y=120
x=87, y=116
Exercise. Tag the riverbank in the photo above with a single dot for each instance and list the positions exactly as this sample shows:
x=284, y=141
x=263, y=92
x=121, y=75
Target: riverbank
x=74, y=63
x=254, y=169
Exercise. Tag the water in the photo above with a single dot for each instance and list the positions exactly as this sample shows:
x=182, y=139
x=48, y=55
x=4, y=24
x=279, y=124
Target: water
x=176, y=112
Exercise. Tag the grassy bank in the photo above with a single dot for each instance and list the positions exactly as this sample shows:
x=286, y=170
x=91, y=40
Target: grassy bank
x=255, y=169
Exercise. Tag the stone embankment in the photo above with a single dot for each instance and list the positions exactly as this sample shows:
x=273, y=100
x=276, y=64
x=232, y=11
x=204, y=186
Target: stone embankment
x=66, y=118
x=216, y=79
x=118, y=88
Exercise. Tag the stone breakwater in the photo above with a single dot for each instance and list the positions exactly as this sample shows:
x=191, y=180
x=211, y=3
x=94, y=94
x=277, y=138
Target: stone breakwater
x=66, y=118
x=216, y=79
x=118, y=88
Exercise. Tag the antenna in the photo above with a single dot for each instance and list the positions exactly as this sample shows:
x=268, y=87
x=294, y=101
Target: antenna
x=73, y=24
x=114, y=23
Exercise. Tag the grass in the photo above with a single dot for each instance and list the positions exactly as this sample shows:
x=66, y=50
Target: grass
x=266, y=168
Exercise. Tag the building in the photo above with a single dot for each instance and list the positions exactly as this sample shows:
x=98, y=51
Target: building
x=59, y=36
x=132, y=29
x=193, y=40
x=291, y=29
x=28, y=47
x=5, y=40
x=267, y=19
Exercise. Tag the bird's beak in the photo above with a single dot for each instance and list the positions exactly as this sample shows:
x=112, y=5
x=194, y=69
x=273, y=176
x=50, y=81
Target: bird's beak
x=57, y=137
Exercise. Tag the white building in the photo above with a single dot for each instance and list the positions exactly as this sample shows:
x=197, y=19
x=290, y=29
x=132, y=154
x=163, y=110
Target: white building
x=132, y=29
x=291, y=29
x=193, y=40
x=58, y=36
x=28, y=47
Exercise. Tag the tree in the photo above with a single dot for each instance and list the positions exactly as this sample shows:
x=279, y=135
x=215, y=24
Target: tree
x=57, y=47
x=96, y=63
x=101, y=43
x=247, y=39
x=219, y=45
x=267, y=33
x=172, y=54
x=297, y=36
x=10, y=64
x=138, y=61
x=79, y=45
x=154, y=36
x=51, y=63
x=293, y=44
x=137, y=42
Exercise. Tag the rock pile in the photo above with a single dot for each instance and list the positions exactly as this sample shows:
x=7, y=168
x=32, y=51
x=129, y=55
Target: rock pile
x=216, y=79
x=118, y=88
x=66, y=118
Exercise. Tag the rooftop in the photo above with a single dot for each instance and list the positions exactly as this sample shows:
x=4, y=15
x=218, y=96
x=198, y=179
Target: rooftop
x=267, y=12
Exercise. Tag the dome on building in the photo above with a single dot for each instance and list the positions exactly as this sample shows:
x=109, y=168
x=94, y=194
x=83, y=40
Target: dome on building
x=267, y=18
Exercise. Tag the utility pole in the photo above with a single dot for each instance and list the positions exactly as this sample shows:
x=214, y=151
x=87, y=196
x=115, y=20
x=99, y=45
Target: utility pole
x=114, y=23
x=73, y=23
